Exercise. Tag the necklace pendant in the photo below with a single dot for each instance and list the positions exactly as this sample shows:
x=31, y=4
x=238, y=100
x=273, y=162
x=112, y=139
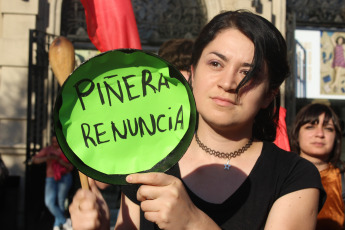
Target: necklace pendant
x=227, y=165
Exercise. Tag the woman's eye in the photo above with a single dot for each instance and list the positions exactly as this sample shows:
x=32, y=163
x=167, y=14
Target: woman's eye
x=309, y=127
x=245, y=72
x=330, y=129
x=215, y=64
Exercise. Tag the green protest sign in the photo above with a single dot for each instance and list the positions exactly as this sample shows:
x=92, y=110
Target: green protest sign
x=124, y=111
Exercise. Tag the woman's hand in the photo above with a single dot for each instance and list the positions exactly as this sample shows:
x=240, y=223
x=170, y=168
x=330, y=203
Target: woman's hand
x=89, y=209
x=165, y=202
x=53, y=156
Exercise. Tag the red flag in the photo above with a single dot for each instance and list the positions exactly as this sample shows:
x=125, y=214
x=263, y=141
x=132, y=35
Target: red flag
x=282, y=139
x=111, y=24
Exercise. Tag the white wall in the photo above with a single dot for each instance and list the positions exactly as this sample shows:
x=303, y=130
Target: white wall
x=17, y=17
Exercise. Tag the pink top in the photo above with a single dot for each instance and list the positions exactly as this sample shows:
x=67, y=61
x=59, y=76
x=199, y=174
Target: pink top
x=54, y=168
x=338, y=59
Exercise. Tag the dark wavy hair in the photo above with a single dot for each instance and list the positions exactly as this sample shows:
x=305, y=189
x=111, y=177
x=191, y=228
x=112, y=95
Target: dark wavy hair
x=177, y=51
x=270, y=49
x=310, y=114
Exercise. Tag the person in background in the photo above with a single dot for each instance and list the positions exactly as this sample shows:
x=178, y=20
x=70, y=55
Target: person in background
x=316, y=135
x=58, y=182
x=338, y=63
x=178, y=52
x=232, y=176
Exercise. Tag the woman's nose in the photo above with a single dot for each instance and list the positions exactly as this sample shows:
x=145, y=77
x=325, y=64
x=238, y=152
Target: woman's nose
x=228, y=81
x=320, y=131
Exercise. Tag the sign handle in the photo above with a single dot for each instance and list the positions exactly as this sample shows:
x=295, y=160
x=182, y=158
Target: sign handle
x=84, y=181
x=62, y=61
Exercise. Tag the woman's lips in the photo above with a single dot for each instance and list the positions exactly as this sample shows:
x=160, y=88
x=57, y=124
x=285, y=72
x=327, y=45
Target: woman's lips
x=221, y=101
x=319, y=144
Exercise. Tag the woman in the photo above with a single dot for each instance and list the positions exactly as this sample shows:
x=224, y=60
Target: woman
x=58, y=182
x=238, y=63
x=338, y=63
x=316, y=136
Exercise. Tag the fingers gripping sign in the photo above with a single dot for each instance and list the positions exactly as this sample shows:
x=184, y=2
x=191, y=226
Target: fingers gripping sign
x=89, y=210
x=164, y=200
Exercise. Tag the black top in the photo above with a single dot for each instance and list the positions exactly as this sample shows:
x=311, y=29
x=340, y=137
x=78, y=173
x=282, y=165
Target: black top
x=275, y=174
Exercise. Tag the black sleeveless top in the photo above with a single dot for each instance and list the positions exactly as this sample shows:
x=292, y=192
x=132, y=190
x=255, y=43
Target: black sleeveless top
x=275, y=174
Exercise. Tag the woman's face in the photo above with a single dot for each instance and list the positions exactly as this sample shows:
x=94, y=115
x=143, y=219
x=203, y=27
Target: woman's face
x=317, y=140
x=224, y=62
x=340, y=41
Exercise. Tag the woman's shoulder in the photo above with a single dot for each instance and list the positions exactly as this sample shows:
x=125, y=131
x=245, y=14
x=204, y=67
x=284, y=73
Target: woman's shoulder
x=291, y=171
x=283, y=160
x=271, y=150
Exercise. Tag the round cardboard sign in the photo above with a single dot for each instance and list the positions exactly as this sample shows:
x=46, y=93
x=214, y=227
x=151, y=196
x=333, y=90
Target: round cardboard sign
x=124, y=111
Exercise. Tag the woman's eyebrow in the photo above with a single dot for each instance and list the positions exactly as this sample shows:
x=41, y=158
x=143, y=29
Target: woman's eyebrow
x=221, y=56
x=224, y=58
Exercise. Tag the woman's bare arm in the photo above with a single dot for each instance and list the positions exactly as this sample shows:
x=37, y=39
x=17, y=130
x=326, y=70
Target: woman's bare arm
x=129, y=215
x=296, y=210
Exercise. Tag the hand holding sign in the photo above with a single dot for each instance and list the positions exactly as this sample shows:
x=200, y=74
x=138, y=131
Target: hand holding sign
x=89, y=209
x=122, y=112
